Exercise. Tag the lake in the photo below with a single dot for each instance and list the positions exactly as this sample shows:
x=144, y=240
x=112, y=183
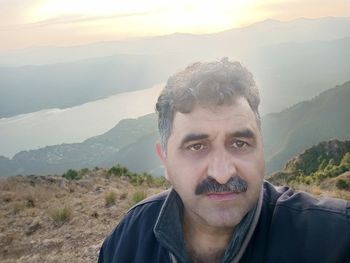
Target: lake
x=75, y=124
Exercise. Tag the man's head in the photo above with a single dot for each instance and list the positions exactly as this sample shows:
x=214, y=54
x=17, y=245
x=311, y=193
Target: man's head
x=211, y=143
x=206, y=84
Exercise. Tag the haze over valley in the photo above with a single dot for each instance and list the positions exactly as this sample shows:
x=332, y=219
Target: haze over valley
x=61, y=97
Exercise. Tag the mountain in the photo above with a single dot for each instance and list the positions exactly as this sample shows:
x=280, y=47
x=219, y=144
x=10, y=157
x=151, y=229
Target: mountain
x=267, y=32
x=305, y=124
x=32, y=88
x=131, y=142
x=326, y=164
x=291, y=61
x=101, y=150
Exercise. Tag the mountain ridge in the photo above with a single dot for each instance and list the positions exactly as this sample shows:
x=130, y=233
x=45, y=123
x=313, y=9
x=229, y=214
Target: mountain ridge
x=325, y=165
x=308, y=67
x=285, y=134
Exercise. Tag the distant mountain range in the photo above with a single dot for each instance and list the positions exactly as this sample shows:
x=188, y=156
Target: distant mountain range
x=291, y=61
x=232, y=41
x=131, y=142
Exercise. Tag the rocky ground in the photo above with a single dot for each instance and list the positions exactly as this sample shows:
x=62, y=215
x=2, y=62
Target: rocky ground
x=52, y=219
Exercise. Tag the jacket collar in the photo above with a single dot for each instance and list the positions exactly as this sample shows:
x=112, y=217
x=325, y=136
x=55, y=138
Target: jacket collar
x=169, y=233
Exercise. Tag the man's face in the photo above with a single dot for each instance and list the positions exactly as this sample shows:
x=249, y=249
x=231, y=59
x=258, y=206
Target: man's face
x=216, y=145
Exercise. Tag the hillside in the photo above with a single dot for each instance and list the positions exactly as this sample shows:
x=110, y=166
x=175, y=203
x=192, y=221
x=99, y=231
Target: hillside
x=131, y=142
x=305, y=124
x=53, y=219
x=66, y=218
x=104, y=150
x=325, y=165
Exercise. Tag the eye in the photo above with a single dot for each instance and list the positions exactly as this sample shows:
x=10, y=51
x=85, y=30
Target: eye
x=238, y=144
x=196, y=147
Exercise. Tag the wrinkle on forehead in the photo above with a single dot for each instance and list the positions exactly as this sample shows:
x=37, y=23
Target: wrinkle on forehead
x=240, y=108
x=222, y=119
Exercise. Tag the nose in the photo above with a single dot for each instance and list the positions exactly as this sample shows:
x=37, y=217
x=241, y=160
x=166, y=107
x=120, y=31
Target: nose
x=221, y=166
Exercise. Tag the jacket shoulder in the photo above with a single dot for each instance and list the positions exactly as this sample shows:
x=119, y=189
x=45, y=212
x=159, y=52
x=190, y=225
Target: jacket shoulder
x=301, y=201
x=318, y=228
x=133, y=239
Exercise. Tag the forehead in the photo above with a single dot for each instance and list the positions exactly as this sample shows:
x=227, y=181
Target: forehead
x=215, y=120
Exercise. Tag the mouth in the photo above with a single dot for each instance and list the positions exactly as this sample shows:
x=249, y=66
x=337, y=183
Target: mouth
x=224, y=196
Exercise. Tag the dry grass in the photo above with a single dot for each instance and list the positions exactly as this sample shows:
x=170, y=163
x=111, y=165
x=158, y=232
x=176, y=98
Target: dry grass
x=32, y=208
x=60, y=215
x=110, y=198
x=138, y=196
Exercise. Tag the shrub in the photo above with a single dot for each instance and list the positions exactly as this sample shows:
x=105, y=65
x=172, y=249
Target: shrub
x=61, y=215
x=156, y=181
x=118, y=170
x=84, y=171
x=138, y=196
x=136, y=179
x=342, y=184
x=72, y=175
x=110, y=198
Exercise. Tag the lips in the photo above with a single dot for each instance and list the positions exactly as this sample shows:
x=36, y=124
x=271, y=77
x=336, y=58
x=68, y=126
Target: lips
x=225, y=196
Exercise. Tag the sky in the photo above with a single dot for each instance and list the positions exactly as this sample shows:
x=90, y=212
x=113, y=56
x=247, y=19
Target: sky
x=37, y=23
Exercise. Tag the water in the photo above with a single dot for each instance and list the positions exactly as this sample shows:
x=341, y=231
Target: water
x=75, y=124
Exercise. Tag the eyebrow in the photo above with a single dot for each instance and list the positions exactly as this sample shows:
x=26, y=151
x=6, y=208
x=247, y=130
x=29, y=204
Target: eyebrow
x=194, y=137
x=247, y=133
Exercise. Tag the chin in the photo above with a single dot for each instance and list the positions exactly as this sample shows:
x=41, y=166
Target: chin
x=226, y=219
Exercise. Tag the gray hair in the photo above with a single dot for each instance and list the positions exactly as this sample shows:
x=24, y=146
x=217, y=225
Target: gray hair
x=215, y=83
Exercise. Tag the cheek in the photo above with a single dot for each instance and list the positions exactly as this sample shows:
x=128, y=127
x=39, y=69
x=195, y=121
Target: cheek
x=184, y=177
x=252, y=169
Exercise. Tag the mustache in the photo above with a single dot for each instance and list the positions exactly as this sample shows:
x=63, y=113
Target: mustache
x=209, y=185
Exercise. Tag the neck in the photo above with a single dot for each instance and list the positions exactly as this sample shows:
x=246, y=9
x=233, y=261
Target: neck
x=205, y=243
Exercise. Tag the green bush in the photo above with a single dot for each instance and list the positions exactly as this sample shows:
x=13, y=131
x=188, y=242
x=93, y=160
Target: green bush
x=118, y=170
x=72, y=175
x=84, y=171
x=342, y=184
x=136, y=179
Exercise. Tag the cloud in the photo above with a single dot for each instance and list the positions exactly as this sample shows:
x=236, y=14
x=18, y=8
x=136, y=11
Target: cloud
x=74, y=19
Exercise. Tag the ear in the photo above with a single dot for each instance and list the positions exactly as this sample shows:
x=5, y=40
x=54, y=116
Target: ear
x=160, y=153
x=162, y=158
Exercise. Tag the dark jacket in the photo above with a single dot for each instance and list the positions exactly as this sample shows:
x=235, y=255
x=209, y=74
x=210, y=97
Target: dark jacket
x=291, y=227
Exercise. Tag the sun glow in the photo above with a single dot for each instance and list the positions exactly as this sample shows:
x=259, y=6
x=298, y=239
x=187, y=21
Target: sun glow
x=154, y=16
x=67, y=22
x=54, y=8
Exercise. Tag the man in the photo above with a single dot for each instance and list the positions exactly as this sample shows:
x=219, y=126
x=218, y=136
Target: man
x=220, y=209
